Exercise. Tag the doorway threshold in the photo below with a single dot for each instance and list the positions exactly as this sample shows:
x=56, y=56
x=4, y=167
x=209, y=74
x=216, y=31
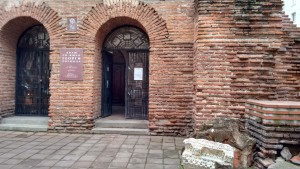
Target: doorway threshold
x=24, y=123
x=117, y=124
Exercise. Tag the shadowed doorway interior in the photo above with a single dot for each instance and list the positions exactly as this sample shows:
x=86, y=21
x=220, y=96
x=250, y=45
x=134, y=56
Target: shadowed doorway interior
x=118, y=84
x=125, y=74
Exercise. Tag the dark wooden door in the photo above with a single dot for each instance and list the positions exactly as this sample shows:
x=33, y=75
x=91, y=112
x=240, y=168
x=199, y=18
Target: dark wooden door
x=106, y=84
x=118, y=89
x=137, y=85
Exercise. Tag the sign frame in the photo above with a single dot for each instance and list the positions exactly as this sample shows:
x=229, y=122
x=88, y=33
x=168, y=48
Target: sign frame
x=71, y=64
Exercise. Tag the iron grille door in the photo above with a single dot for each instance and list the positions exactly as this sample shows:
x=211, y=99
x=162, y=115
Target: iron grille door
x=106, y=84
x=33, y=72
x=137, y=85
x=32, y=94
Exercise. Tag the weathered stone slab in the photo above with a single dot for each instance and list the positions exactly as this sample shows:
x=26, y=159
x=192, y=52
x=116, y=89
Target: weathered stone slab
x=205, y=154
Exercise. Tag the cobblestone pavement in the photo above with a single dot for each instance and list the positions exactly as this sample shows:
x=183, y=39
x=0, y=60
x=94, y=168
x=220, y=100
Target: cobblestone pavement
x=22, y=150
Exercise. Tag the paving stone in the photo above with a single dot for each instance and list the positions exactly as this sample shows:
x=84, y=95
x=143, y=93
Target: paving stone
x=137, y=150
x=101, y=165
x=30, y=162
x=123, y=154
x=64, y=164
x=104, y=159
x=48, y=152
x=88, y=158
x=39, y=156
x=155, y=155
x=136, y=166
x=126, y=150
x=141, y=147
x=2, y=160
x=120, y=160
x=47, y=163
x=156, y=151
x=155, y=147
x=139, y=155
x=117, y=165
x=168, y=148
x=55, y=157
x=8, y=155
x=127, y=146
x=82, y=164
x=37, y=167
x=70, y=158
x=152, y=166
x=154, y=161
x=3, y=166
x=5, y=150
x=23, y=156
x=171, y=161
x=138, y=160
x=171, y=154
x=12, y=161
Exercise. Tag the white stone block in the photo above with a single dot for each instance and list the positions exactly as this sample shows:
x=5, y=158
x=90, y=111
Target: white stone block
x=205, y=154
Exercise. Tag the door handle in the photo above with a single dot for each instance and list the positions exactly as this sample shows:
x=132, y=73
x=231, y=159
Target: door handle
x=106, y=83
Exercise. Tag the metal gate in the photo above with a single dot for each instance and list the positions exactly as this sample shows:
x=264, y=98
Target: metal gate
x=137, y=85
x=33, y=72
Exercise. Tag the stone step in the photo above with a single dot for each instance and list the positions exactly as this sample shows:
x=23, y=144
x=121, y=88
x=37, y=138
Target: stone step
x=23, y=127
x=125, y=131
x=24, y=123
x=131, y=124
x=25, y=120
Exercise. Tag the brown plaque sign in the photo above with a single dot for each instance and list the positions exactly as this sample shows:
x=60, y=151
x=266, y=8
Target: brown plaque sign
x=71, y=64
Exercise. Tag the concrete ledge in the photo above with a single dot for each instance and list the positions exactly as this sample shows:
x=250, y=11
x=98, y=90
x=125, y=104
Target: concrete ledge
x=137, y=124
x=24, y=123
x=125, y=131
x=20, y=127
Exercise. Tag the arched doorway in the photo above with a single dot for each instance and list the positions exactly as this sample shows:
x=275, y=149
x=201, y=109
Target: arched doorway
x=33, y=72
x=125, y=83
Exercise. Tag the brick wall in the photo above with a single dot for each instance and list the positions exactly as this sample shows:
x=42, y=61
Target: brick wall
x=243, y=49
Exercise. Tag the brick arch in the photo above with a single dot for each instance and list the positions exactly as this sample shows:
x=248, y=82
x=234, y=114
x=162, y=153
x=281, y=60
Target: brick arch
x=13, y=22
x=33, y=14
x=105, y=17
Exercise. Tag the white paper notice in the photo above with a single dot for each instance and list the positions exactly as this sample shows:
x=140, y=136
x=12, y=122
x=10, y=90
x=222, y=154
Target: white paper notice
x=138, y=73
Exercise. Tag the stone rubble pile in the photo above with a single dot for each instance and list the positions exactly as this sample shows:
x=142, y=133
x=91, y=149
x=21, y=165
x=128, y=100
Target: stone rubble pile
x=285, y=161
x=214, y=142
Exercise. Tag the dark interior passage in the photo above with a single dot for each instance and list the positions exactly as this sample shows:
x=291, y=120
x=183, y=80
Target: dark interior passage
x=118, y=79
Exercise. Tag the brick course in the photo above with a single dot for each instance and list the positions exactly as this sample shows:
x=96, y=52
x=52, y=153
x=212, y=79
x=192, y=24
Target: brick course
x=207, y=57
